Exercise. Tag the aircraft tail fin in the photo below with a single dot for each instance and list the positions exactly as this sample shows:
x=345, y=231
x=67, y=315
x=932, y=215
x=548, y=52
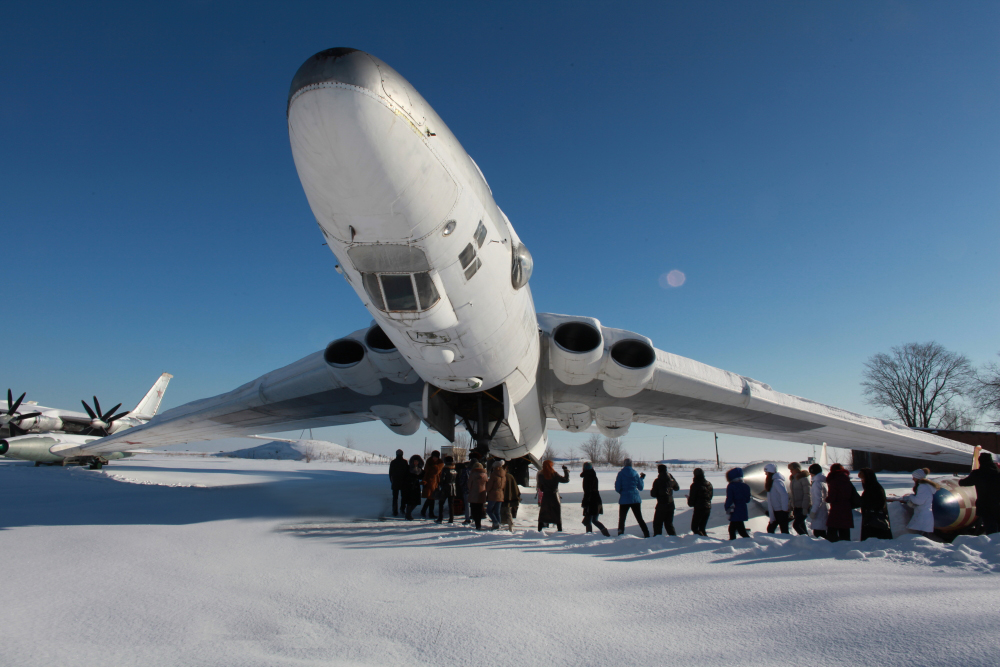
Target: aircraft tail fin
x=824, y=460
x=150, y=403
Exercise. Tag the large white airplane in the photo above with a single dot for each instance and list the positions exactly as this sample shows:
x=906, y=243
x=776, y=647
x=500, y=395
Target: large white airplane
x=32, y=432
x=455, y=337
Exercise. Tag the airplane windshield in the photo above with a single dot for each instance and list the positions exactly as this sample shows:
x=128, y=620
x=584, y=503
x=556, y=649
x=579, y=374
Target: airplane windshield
x=401, y=292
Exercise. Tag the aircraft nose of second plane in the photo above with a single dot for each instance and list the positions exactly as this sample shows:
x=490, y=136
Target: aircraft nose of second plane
x=343, y=65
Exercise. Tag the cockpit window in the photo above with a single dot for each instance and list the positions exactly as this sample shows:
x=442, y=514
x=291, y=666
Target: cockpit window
x=401, y=292
x=467, y=255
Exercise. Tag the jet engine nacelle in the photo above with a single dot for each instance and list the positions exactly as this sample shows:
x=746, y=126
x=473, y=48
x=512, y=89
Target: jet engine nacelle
x=387, y=359
x=30, y=448
x=577, y=350
x=350, y=362
x=581, y=351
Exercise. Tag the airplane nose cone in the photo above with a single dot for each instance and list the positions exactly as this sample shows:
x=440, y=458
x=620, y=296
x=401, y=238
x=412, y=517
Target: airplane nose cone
x=338, y=65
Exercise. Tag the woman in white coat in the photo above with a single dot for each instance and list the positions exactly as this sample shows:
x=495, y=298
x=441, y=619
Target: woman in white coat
x=818, y=513
x=921, y=501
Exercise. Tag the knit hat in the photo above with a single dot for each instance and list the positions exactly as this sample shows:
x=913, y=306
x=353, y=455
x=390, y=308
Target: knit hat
x=477, y=466
x=919, y=474
x=770, y=467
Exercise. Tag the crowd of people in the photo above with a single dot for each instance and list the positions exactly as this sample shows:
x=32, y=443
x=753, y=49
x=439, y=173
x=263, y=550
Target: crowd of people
x=827, y=501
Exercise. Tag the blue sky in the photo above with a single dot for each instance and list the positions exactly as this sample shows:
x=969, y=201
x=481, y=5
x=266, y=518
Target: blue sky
x=827, y=176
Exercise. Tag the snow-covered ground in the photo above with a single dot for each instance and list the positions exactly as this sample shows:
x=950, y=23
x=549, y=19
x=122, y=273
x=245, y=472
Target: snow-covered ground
x=208, y=561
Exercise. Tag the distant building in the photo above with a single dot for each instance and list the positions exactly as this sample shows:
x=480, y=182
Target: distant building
x=988, y=440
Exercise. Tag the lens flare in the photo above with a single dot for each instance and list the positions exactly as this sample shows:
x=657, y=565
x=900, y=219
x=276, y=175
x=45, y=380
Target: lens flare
x=673, y=279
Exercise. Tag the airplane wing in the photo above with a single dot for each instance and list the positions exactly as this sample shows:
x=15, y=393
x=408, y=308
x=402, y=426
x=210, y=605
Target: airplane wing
x=310, y=393
x=682, y=393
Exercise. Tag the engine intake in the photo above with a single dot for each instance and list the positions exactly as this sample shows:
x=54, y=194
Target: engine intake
x=348, y=359
x=576, y=352
x=630, y=366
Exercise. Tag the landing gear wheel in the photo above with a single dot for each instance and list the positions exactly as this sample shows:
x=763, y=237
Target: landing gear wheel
x=96, y=465
x=38, y=463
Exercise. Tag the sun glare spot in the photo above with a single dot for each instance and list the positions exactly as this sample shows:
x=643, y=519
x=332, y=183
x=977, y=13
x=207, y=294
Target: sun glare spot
x=673, y=279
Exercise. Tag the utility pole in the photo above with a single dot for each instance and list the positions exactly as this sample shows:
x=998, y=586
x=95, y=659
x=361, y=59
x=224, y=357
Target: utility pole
x=718, y=463
x=663, y=449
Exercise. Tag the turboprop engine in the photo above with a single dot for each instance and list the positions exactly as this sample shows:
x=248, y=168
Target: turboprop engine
x=581, y=351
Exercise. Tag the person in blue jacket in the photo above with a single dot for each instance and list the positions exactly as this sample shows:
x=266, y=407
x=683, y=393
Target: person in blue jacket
x=737, y=498
x=628, y=484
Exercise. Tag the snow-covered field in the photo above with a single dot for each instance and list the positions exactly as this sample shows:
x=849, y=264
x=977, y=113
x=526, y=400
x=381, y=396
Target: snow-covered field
x=207, y=561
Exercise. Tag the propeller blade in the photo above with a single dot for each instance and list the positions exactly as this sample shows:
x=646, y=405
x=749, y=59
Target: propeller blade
x=27, y=416
x=110, y=412
x=14, y=429
x=117, y=416
x=10, y=400
x=97, y=405
x=89, y=411
x=17, y=403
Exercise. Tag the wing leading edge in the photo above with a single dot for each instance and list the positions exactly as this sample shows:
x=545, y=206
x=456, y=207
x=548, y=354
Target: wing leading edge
x=682, y=393
x=310, y=393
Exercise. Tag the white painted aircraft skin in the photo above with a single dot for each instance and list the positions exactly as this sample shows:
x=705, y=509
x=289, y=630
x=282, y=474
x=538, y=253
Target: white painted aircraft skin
x=395, y=193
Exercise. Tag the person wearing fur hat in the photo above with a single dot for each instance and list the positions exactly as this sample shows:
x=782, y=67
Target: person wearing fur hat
x=592, y=505
x=800, y=498
x=986, y=479
x=663, y=490
x=817, y=496
x=840, y=495
x=477, y=493
x=700, y=500
x=777, y=499
x=921, y=501
x=737, y=498
x=628, y=484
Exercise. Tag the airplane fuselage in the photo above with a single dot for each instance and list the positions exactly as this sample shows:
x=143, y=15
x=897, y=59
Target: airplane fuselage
x=417, y=234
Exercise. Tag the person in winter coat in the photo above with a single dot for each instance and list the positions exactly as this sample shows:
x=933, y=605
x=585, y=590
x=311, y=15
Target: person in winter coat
x=737, y=498
x=986, y=479
x=663, y=490
x=628, y=484
x=777, y=499
x=432, y=472
x=462, y=488
x=921, y=501
x=447, y=489
x=800, y=497
x=494, y=493
x=411, y=489
x=817, y=492
x=700, y=499
x=477, y=492
x=592, y=505
x=547, y=484
x=840, y=495
x=511, y=501
x=874, y=511
x=397, y=479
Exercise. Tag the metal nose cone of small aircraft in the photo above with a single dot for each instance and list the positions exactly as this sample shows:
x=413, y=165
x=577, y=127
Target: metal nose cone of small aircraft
x=338, y=65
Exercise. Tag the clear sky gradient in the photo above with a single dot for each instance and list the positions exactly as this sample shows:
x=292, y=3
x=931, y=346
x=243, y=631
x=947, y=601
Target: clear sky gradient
x=826, y=175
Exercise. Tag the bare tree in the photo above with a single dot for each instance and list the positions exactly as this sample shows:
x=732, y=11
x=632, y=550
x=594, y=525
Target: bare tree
x=592, y=448
x=986, y=389
x=918, y=382
x=613, y=452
